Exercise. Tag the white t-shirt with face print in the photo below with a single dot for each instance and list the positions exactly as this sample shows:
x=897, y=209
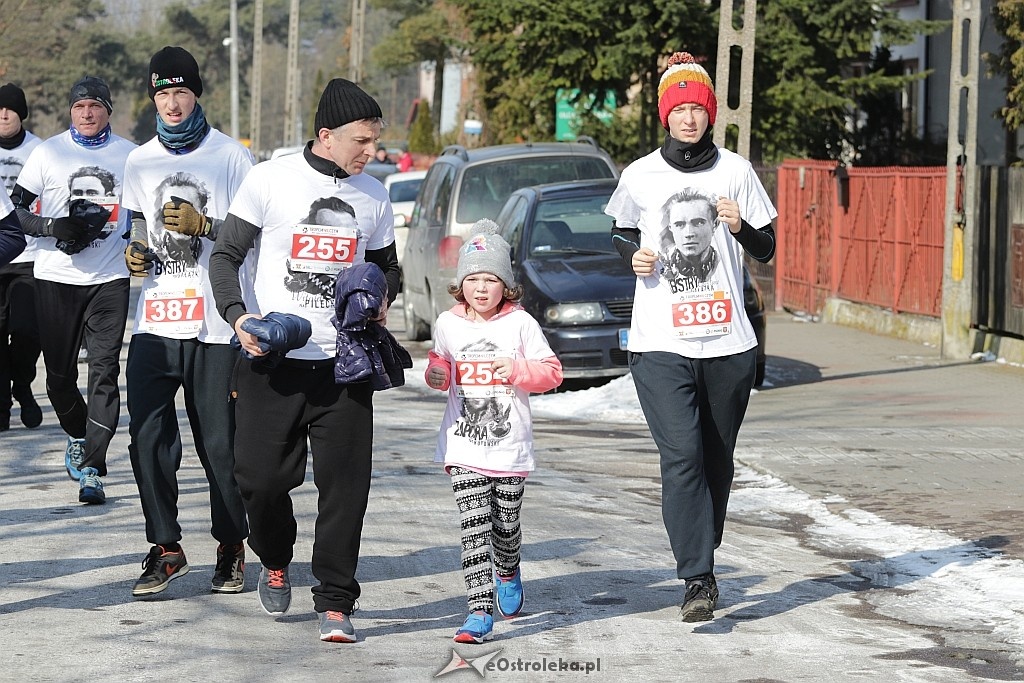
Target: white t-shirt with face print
x=59, y=170
x=11, y=163
x=177, y=299
x=693, y=304
x=311, y=226
x=487, y=423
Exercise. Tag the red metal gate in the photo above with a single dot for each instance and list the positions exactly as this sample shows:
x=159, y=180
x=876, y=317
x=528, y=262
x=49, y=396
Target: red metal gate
x=884, y=248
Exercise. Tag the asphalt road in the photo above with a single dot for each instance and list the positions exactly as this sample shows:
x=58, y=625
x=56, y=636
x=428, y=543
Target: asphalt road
x=601, y=592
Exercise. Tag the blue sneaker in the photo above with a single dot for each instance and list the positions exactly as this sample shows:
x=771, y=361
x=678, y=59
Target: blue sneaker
x=508, y=594
x=74, y=454
x=90, y=488
x=478, y=628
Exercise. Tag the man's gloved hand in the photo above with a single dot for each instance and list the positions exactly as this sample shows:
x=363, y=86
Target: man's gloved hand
x=139, y=258
x=181, y=216
x=85, y=221
x=68, y=229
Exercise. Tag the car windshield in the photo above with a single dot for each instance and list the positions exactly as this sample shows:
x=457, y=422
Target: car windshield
x=576, y=226
x=485, y=187
x=405, y=190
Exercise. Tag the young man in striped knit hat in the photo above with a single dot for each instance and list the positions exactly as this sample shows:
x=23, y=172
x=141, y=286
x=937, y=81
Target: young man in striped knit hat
x=684, y=216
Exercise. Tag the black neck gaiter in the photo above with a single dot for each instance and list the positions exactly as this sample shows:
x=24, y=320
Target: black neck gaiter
x=13, y=141
x=690, y=156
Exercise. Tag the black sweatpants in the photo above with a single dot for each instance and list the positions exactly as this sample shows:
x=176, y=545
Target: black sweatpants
x=276, y=412
x=157, y=367
x=67, y=315
x=694, y=408
x=19, y=335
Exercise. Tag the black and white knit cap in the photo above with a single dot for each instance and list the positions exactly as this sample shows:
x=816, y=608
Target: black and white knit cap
x=174, y=67
x=344, y=102
x=485, y=252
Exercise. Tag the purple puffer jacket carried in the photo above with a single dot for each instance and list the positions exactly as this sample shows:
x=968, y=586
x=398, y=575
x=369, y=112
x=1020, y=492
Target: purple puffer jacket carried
x=366, y=350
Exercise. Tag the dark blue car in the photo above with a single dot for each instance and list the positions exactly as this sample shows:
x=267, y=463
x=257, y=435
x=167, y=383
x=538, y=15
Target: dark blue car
x=574, y=281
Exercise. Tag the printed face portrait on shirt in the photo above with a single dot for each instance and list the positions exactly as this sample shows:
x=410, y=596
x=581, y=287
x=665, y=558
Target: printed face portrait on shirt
x=10, y=168
x=324, y=211
x=688, y=229
x=91, y=182
x=171, y=245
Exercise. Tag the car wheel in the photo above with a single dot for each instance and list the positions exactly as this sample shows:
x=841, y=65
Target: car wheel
x=415, y=328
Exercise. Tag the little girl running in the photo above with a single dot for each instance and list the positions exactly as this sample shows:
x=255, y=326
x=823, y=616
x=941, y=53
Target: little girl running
x=489, y=355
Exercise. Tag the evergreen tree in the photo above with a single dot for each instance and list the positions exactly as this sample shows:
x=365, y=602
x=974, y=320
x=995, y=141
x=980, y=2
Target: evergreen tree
x=421, y=135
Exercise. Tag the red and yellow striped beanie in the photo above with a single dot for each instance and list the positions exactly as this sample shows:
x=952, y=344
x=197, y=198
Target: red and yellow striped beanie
x=685, y=81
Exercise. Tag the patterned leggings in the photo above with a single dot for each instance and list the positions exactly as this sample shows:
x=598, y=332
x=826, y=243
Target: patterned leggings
x=489, y=510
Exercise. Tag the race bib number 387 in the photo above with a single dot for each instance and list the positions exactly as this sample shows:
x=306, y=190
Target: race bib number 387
x=323, y=248
x=173, y=312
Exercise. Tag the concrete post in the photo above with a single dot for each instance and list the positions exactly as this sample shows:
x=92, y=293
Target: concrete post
x=728, y=37
x=961, y=182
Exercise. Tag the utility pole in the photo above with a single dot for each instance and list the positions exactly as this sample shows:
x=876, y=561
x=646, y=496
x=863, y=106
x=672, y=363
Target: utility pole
x=291, y=84
x=355, y=58
x=233, y=52
x=728, y=38
x=961, y=182
x=256, y=87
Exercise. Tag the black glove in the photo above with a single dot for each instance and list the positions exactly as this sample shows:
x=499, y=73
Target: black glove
x=139, y=258
x=82, y=211
x=67, y=229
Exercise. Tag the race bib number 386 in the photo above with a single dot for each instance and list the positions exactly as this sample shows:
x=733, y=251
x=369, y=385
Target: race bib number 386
x=705, y=317
x=323, y=248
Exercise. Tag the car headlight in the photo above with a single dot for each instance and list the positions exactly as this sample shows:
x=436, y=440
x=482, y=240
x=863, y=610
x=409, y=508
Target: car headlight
x=573, y=314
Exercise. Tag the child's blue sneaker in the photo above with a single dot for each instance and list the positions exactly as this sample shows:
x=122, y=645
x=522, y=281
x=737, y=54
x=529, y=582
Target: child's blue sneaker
x=74, y=454
x=478, y=628
x=508, y=594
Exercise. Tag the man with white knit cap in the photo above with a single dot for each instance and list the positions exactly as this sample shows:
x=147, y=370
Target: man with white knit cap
x=683, y=217
x=311, y=215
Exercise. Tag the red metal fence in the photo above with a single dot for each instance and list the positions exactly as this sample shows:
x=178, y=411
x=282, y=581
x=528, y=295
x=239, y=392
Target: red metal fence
x=875, y=237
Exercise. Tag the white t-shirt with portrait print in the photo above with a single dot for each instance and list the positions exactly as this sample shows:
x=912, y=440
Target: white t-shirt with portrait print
x=176, y=299
x=699, y=315
x=48, y=172
x=306, y=237
x=13, y=160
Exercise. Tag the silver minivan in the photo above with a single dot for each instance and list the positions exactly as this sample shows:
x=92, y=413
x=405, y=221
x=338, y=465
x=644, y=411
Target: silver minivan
x=461, y=187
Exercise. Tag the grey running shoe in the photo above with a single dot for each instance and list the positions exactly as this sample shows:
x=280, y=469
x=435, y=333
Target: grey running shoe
x=229, y=575
x=274, y=591
x=701, y=599
x=160, y=567
x=90, y=487
x=336, y=627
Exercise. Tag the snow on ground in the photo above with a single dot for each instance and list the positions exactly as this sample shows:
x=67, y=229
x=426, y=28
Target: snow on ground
x=944, y=581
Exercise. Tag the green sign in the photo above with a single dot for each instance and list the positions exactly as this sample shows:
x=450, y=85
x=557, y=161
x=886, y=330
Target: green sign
x=567, y=122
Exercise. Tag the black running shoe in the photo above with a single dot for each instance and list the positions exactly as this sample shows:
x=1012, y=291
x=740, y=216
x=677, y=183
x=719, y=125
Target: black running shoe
x=160, y=568
x=229, y=575
x=701, y=599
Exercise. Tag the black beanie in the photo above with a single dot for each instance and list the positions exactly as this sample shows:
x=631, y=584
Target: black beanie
x=343, y=102
x=174, y=67
x=12, y=97
x=91, y=88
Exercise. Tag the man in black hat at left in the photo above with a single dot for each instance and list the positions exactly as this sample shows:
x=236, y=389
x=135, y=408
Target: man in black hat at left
x=19, y=334
x=277, y=409
x=81, y=278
